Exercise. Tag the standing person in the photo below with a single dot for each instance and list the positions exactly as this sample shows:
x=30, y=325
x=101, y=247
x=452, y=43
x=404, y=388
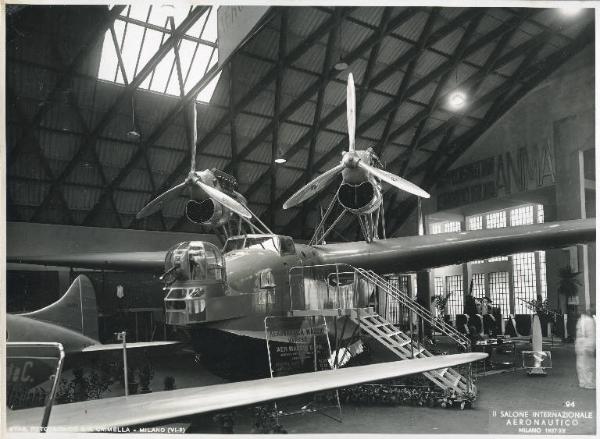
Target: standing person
x=585, y=348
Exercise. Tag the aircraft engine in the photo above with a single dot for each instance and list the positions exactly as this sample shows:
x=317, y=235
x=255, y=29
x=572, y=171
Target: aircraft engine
x=359, y=198
x=207, y=212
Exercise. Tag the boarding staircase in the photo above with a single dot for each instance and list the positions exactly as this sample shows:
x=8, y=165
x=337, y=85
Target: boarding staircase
x=335, y=297
x=404, y=346
x=436, y=323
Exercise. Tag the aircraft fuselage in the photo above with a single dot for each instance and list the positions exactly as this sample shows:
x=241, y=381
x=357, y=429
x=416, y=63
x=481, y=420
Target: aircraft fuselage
x=251, y=282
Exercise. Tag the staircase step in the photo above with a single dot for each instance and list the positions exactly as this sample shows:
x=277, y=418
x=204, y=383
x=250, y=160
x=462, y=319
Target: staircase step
x=378, y=325
x=400, y=343
x=384, y=339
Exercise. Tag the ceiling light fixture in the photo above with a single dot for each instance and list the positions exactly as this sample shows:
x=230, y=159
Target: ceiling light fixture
x=133, y=134
x=571, y=10
x=340, y=64
x=280, y=158
x=457, y=99
x=168, y=9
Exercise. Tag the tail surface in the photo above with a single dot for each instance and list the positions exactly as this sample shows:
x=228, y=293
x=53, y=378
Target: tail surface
x=75, y=310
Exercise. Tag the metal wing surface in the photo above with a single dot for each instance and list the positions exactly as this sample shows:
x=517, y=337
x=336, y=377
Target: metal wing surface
x=418, y=252
x=158, y=406
x=384, y=256
x=127, y=261
x=134, y=345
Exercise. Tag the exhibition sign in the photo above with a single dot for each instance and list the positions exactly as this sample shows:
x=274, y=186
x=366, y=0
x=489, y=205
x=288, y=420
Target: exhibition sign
x=300, y=345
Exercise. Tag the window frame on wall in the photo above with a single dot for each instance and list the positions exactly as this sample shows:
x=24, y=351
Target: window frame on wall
x=525, y=283
x=454, y=286
x=439, y=227
x=501, y=279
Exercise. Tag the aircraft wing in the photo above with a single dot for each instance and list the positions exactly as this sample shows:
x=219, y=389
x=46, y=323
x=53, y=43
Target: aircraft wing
x=127, y=261
x=158, y=406
x=418, y=252
x=384, y=256
x=134, y=345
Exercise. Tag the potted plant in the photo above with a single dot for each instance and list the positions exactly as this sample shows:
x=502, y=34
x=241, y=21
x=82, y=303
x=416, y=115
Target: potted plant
x=146, y=374
x=568, y=284
x=169, y=383
x=439, y=302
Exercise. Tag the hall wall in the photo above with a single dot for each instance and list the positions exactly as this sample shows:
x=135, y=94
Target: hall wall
x=542, y=151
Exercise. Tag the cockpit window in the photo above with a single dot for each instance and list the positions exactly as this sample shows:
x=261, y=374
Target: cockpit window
x=262, y=242
x=177, y=293
x=287, y=246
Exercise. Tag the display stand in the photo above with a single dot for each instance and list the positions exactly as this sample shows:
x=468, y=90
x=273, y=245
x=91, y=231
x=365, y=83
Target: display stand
x=536, y=362
x=300, y=345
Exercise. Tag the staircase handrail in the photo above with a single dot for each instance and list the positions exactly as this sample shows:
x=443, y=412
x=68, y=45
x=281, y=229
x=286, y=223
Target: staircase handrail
x=416, y=307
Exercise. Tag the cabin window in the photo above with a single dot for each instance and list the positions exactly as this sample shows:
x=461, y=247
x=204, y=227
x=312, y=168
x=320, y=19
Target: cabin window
x=287, y=246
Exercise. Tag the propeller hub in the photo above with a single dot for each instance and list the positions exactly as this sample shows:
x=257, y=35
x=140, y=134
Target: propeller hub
x=350, y=159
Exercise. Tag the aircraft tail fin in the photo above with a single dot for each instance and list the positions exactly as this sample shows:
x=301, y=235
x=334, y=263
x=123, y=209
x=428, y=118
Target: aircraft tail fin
x=75, y=310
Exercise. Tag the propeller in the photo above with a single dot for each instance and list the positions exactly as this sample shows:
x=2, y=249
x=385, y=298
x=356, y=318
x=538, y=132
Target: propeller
x=194, y=180
x=352, y=159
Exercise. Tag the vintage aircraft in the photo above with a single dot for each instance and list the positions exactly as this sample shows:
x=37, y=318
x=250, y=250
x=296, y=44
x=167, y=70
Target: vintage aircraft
x=72, y=321
x=111, y=413
x=220, y=293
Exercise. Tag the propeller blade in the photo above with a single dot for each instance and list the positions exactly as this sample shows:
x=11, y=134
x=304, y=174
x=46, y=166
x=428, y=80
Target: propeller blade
x=394, y=180
x=192, y=126
x=351, y=111
x=313, y=187
x=224, y=199
x=157, y=204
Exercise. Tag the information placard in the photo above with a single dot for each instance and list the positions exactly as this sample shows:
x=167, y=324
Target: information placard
x=300, y=345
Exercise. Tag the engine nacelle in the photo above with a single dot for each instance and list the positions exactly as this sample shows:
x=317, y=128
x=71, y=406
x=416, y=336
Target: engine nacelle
x=207, y=212
x=359, y=198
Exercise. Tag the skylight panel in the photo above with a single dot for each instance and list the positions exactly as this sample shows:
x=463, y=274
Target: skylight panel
x=137, y=11
x=108, y=62
x=210, y=30
x=140, y=30
x=131, y=48
x=149, y=48
x=161, y=73
x=198, y=26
